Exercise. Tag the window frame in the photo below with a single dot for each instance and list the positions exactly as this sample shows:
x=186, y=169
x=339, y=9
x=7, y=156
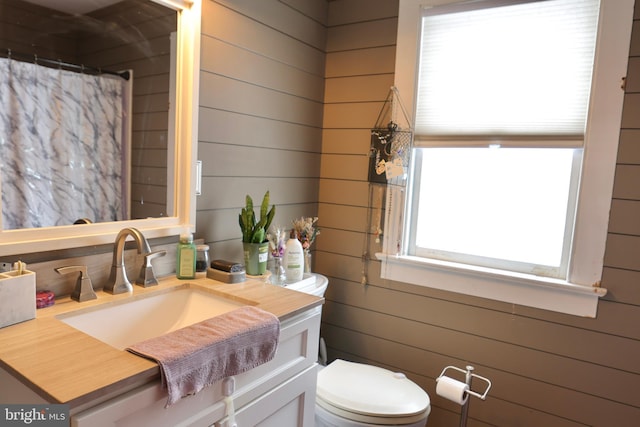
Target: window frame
x=579, y=294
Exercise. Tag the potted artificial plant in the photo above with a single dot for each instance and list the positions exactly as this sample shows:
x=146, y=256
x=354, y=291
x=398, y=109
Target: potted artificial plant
x=254, y=235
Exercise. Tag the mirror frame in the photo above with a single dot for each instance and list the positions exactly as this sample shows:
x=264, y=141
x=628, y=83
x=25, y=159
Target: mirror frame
x=31, y=240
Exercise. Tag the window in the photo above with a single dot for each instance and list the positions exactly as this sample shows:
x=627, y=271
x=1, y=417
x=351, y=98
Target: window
x=508, y=208
x=513, y=165
x=505, y=208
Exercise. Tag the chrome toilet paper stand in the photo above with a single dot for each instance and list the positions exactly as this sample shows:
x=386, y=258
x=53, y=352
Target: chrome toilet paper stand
x=468, y=377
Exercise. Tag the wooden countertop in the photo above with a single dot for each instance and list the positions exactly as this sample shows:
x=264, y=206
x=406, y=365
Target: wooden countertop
x=64, y=365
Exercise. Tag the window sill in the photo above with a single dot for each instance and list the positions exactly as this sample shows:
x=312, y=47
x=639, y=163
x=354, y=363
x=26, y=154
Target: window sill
x=527, y=290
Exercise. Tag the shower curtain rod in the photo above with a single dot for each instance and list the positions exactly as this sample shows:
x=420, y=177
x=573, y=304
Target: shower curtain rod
x=57, y=62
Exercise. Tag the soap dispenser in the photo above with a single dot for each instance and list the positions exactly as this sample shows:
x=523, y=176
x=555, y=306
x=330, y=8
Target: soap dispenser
x=186, y=268
x=293, y=259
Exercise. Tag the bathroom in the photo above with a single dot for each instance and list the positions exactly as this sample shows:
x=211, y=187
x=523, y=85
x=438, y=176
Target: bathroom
x=547, y=368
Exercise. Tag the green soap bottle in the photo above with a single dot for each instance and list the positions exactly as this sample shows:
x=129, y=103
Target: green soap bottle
x=186, y=267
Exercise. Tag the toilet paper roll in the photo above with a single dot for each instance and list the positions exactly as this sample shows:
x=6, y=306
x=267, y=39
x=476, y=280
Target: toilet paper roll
x=453, y=390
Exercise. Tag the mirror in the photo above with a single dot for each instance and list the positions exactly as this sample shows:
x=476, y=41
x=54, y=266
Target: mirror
x=161, y=190
x=70, y=120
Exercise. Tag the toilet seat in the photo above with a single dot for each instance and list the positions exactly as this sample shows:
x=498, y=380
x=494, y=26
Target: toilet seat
x=370, y=394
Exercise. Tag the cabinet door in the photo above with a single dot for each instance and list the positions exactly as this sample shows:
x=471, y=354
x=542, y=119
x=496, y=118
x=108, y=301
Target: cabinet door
x=291, y=404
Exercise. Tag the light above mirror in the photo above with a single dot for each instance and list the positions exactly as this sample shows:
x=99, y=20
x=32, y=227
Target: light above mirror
x=181, y=194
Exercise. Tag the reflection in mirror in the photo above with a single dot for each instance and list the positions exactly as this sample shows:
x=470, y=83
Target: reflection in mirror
x=76, y=140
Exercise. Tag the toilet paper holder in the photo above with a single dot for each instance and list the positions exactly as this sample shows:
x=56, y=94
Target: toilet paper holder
x=469, y=375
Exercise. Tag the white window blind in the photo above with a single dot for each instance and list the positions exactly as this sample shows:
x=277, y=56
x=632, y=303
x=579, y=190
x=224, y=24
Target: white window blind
x=495, y=71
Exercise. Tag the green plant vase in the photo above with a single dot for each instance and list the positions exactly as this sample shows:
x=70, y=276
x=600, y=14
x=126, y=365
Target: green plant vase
x=255, y=258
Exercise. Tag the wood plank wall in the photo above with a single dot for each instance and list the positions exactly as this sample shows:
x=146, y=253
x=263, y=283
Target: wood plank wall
x=26, y=28
x=261, y=106
x=548, y=369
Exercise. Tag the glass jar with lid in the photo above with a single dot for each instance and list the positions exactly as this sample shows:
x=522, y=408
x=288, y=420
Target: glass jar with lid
x=202, y=258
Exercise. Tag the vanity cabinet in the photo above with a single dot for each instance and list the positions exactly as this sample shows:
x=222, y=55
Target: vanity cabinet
x=278, y=393
x=290, y=404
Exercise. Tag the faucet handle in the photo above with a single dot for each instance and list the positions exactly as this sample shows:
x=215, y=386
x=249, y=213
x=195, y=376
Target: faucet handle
x=147, y=277
x=84, y=288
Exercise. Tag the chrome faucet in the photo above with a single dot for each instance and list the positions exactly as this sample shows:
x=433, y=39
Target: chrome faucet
x=118, y=282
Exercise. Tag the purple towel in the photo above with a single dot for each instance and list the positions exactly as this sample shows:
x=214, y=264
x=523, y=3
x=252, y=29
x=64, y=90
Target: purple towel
x=196, y=356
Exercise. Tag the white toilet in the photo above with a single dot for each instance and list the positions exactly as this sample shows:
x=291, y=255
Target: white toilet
x=352, y=394
x=356, y=395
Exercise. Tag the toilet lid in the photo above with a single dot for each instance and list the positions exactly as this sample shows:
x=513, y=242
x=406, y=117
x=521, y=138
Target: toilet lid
x=370, y=390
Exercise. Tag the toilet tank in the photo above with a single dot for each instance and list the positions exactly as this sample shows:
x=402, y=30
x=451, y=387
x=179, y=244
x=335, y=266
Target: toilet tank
x=311, y=283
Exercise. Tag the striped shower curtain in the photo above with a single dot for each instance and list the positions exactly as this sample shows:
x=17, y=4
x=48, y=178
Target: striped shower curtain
x=61, y=146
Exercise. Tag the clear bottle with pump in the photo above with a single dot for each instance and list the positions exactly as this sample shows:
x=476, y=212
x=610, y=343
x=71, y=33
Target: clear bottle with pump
x=293, y=259
x=186, y=267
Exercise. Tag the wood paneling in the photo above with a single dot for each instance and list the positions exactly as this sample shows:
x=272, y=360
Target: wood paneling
x=261, y=98
x=317, y=10
x=364, y=88
x=346, y=141
x=362, y=35
x=625, y=184
x=361, y=62
x=624, y=217
x=353, y=11
x=241, y=29
x=351, y=193
x=32, y=29
x=261, y=109
x=359, y=115
x=228, y=127
x=241, y=65
x=229, y=160
x=629, y=149
x=623, y=286
x=345, y=167
x=286, y=18
x=634, y=49
x=242, y=97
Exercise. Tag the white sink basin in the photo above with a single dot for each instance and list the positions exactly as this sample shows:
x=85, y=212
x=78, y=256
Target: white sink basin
x=132, y=320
